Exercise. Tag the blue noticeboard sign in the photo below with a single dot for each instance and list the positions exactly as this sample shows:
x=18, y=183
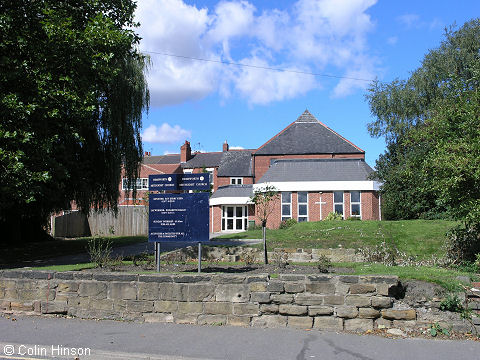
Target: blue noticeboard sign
x=179, y=182
x=178, y=217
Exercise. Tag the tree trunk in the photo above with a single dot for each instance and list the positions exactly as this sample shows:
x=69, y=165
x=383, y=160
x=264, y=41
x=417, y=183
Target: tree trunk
x=264, y=233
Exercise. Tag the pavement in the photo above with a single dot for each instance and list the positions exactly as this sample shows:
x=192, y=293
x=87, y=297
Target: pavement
x=32, y=337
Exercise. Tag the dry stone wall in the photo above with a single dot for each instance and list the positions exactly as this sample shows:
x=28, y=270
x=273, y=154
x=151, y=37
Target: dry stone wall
x=326, y=302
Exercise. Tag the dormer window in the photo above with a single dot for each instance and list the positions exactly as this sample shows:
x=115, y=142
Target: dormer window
x=236, y=181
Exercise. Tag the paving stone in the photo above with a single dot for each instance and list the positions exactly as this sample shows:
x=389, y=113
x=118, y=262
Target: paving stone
x=121, y=291
x=55, y=307
x=358, y=324
x=158, y=318
x=21, y=306
x=319, y=278
x=292, y=277
x=260, y=297
x=347, y=312
x=101, y=304
x=330, y=323
x=358, y=300
x=165, y=306
x=292, y=309
x=362, y=288
x=246, y=309
x=396, y=332
x=300, y=322
x=269, y=321
x=349, y=279
x=232, y=293
x=68, y=287
x=4, y=305
x=320, y=310
x=309, y=299
x=222, y=308
x=191, y=278
x=391, y=314
x=382, y=323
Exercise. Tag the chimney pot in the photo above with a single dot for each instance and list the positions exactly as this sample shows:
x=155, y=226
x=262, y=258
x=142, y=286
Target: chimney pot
x=225, y=146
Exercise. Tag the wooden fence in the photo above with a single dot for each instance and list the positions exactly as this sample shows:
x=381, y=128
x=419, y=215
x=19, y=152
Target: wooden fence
x=130, y=221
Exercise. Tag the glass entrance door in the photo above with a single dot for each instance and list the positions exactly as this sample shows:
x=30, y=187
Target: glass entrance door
x=234, y=218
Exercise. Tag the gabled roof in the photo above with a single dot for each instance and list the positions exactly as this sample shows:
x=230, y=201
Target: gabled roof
x=236, y=163
x=199, y=160
x=307, y=135
x=233, y=191
x=163, y=159
x=317, y=170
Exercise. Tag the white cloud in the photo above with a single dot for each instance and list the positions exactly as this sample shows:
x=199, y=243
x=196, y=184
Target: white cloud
x=165, y=134
x=236, y=148
x=321, y=36
x=392, y=40
x=409, y=20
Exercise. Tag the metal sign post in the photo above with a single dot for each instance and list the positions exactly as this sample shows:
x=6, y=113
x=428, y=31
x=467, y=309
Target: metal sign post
x=157, y=253
x=199, y=257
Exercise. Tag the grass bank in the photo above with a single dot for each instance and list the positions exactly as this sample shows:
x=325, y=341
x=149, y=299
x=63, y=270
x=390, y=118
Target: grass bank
x=422, y=238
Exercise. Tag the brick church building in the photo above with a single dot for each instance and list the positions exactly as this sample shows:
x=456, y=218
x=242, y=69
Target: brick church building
x=316, y=171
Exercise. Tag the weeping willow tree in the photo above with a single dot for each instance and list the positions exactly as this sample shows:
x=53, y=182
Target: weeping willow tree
x=72, y=94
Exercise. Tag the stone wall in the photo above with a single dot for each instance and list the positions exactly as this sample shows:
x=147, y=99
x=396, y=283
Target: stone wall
x=341, y=302
x=237, y=253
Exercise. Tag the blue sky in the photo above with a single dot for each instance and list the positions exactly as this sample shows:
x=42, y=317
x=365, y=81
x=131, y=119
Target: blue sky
x=208, y=103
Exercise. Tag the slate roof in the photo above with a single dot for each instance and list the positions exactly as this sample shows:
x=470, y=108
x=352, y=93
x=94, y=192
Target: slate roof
x=317, y=170
x=233, y=191
x=307, y=135
x=199, y=160
x=236, y=163
x=163, y=159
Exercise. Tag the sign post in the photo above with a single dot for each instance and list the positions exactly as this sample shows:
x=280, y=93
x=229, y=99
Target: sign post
x=178, y=216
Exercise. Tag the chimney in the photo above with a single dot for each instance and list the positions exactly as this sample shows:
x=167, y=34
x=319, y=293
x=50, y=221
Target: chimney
x=185, y=152
x=147, y=153
x=225, y=146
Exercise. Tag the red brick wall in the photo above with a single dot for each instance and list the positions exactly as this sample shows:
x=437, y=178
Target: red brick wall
x=216, y=225
x=224, y=181
x=369, y=205
x=262, y=162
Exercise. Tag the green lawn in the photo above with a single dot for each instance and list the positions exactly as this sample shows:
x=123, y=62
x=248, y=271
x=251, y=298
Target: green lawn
x=54, y=248
x=422, y=238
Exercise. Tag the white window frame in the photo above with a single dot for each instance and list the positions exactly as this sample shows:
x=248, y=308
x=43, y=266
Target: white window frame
x=285, y=217
x=188, y=171
x=141, y=184
x=236, y=181
x=211, y=171
x=339, y=203
x=244, y=217
x=298, y=207
x=356, y=202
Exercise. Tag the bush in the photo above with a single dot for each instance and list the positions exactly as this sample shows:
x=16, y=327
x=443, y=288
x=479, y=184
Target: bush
x=324, y=264
x=463, y=242
x=285, y=224
x=333, y=216
x=451, y=303
x=100, y=251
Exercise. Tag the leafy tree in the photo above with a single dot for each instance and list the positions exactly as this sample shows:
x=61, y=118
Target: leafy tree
x=264, y=200
x=421, y=119
x=72, y=93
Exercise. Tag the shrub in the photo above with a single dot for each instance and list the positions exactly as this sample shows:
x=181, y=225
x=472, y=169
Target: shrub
x=384, y=253
x=249, y=258
x=285, y=224
x=324, y=264
x=333, y=216
x=463, y=242
x=100, y=251
x=477, y=262
x=451, y=303
x=280, y=259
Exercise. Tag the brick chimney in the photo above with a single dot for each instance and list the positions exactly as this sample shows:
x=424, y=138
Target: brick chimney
x=185, y=152
x=225, y=146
